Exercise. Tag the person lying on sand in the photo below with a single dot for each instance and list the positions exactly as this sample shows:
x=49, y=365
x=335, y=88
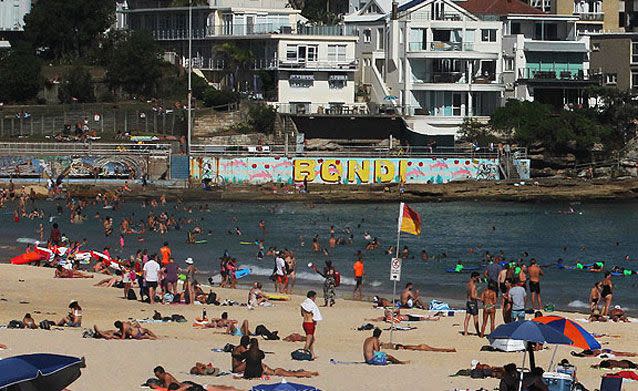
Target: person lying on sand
x=295, y=337
x=165, y=378
x=617, y=314
x=255, y=368
x=421, y=347
x=598, y=352
x=61, y=272
x=381, y=302
x=610, y=364
x=204, y=369
x=108, y=282
x=372, y=353
x=214, y=323
x=125, y=330
x=398, y=318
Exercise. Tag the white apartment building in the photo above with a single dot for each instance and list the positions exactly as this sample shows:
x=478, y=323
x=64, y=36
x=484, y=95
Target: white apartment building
x=12, y=14
x=432, y=60
x=313, y=66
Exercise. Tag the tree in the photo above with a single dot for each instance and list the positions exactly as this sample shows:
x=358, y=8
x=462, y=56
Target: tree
x=77, y=86
x=617, y=109
x=218, y=98
x=477, y=132
x=136, y=66
x=67, y=28
x=235, y=58
x=262, y=117
x=20, y=76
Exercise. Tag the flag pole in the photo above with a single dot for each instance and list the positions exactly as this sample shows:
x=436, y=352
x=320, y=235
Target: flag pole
x=396, y=252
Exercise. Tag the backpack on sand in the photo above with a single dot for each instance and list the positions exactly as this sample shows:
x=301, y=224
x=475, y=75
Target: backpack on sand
x=301, y=355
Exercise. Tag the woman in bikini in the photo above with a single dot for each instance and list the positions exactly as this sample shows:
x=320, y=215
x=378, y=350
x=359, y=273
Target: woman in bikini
x=488, y=297
x=594, y=297
x=606, y=293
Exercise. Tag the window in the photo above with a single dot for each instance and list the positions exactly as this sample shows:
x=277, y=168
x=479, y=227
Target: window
x=441, y=35
x=508, y=64
x=546, y=31
x=337, y=82
x=488, y=35
x=312, y=53
x=337, y=53
x=595, y=46
x=367, y=36
x=611, y=78
x=634, y=79
x=301, y=81
x=291, y=53
x=380, y=38
x=301, y=53
x=634, y=52
x=516, y=28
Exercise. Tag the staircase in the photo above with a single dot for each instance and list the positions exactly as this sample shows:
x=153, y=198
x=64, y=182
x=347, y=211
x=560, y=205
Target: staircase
x=210, y=123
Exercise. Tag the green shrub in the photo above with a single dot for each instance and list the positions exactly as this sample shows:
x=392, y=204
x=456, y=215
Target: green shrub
x=217, y=98
x=262, y=117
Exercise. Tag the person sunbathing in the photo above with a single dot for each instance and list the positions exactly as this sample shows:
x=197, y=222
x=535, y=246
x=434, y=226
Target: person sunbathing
x=598, y=352
x=381, y=302
x=617, y=314
x=61, y=272
x=299, y=373
x=215, y=323
x=610, y=364
x=3, y=346
x=165, y=378
x=134, y=330
x=295, y=337
x=29, y=322
x=244, y=329
x=107, y=282
x=204, y=369
x=421, y=347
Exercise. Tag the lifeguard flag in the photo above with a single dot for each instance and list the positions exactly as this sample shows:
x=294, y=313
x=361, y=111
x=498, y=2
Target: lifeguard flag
x=409, y=220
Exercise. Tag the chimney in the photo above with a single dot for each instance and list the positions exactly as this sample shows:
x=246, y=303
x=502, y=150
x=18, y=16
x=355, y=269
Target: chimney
x=395, y=10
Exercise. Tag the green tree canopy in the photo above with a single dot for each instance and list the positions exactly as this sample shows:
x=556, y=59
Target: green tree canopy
x=20, y=76
x=67, y=28
x=136, y=65
x=76, y=86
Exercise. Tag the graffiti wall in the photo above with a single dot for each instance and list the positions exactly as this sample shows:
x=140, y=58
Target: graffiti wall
x=341, y=170
x=115, y=167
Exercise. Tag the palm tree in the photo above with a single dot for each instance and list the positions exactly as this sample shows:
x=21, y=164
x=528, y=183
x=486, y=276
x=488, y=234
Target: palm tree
x=297, y=4
x=236, y=59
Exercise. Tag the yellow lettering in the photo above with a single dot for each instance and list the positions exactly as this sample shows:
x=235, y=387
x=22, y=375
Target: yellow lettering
x=403, y=170
x=331, y=171
x=358, y=171
x=303, y=168
x=383, y=171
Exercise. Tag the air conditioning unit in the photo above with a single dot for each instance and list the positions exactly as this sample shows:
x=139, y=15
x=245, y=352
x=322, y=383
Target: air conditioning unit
x=259, y=149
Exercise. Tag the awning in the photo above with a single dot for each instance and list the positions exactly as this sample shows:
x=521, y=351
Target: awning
x=302, y=77
x=338, y=77
x=556, y=46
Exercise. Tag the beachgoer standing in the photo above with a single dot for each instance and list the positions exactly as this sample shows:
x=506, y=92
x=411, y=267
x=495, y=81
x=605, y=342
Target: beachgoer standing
x=594, y=297
x=518, y=296
x=280, y=273
x=329, y=284
x=56, y=236
x=311, y=315
x=606, y=293
x=191, y=282
x=492, y=273
x=151, y=277
x=166, y=253
x=471, y=305
x=535, y=272
x=358, y=277
x=488, y=297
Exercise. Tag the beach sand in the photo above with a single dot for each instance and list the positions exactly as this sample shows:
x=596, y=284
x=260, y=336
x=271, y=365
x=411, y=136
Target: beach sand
x=124, y=365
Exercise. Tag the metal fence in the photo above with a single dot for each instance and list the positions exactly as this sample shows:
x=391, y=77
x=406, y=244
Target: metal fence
x=21, y=122
x=89, y=149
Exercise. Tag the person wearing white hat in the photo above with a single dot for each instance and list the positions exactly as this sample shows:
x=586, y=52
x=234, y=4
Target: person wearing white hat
x=190, y=283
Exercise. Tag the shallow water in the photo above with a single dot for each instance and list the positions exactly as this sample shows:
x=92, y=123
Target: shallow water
x=607, y=230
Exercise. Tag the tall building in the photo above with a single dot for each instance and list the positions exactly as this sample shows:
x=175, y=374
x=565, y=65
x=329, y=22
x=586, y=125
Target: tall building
x=594, y=16
x=12, y=14
x=433, y=60
x=312, y=68
x=614, y=58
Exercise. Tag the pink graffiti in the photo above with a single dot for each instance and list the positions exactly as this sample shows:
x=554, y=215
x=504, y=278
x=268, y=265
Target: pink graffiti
x=260, y=175
x=235, y=163
x=440, y=165
x=282, y=164
x=462, y=172
x=415, y=172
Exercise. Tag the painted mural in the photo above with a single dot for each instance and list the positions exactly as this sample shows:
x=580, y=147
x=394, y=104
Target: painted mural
x=120, y=167
x=341, y=170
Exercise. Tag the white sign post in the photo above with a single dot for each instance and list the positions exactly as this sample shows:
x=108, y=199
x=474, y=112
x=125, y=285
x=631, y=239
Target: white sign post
x=395, y=270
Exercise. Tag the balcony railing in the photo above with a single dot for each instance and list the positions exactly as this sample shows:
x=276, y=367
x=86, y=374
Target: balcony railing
x=457, y=78
x=417, y=46
x=558, y=73
x=251, y=29
x=346, y=65
x=591, y=16
x=442, y=46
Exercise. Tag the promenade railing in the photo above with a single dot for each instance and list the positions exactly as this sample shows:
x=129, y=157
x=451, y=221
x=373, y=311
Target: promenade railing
x=89, y=149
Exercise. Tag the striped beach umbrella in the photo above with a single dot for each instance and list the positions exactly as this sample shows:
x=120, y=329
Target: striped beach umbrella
x=572, y=330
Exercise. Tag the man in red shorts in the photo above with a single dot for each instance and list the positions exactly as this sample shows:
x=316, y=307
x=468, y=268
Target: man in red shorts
x=311, y=315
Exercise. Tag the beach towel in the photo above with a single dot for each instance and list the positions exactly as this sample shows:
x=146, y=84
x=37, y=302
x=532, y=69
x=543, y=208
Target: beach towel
x=437, y=305
x=626, y=375
x=337, y=362
x=310, y=306
x=401, y=328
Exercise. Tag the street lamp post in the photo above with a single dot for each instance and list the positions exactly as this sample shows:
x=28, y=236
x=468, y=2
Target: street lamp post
x=190, y=74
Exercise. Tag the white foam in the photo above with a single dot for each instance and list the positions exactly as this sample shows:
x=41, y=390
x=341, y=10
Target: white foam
x=578, y=304
x=310, y=276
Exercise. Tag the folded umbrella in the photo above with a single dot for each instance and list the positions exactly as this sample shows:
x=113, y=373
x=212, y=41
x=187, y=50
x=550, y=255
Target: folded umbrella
x=39, y=372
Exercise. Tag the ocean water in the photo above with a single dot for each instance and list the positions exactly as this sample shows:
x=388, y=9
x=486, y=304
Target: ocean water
x=598, y=231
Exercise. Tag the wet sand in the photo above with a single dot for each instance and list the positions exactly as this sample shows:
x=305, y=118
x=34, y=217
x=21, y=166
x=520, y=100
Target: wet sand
x=124, y=365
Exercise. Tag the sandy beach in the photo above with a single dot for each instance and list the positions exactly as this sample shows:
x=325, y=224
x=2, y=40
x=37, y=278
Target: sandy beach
x=125, y=365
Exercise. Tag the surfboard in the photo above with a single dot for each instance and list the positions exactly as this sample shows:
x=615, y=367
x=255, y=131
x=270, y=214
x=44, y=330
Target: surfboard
x=242, y=273
x=276, y=297
x=201, y=241
x=247, y=243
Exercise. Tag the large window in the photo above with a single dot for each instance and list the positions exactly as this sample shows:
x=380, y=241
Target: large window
x=301, y=53
x=488, y=35
x=337, y=82
x=301, y=81
x=337, y=53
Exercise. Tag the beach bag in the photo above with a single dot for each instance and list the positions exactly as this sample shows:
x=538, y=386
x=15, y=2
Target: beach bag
x=46, y=324
x=438, y=305
x=131, y=295
x=178, y=318
x=337, y=278
x=15, y=324
x=212, y=298
x=301, y=355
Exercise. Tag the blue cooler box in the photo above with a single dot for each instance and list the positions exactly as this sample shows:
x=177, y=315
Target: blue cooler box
x=558, y=381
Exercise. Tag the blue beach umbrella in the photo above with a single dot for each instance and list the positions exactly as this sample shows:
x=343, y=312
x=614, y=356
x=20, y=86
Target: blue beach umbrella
x=284, y=386
x=39, y=372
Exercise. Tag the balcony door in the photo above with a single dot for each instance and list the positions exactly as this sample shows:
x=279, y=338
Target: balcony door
x=250, y=24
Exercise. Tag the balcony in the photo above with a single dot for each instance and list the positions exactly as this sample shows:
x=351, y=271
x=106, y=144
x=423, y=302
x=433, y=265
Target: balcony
x=553, y=74
x=591, y=16
x=251, y=29
x=318, y=65
x=441, y=46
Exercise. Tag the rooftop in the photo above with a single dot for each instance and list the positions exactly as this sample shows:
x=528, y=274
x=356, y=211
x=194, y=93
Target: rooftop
x=499, y=7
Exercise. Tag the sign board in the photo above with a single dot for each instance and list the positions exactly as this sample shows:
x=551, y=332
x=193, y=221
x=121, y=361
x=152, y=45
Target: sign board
x=395, y=269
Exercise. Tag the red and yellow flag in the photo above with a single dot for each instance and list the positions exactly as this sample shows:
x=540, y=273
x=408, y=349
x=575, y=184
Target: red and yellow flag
x=409, y=220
